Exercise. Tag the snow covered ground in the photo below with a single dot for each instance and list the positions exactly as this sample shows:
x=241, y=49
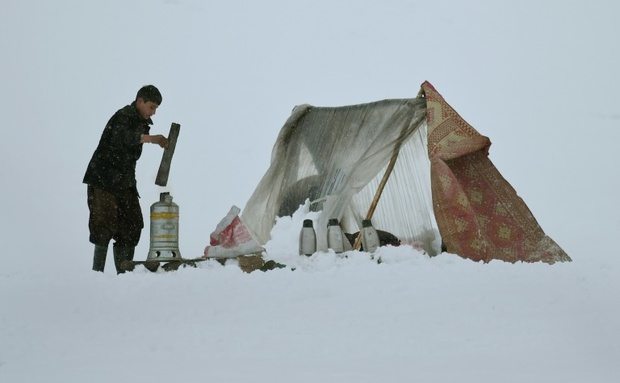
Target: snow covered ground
x=230, y=73
x=330, y=319
x=323, y=318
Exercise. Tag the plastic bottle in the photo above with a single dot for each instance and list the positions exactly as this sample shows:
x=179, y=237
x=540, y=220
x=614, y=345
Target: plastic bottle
x=307, y=239
x=335, y=236
x=370, y=238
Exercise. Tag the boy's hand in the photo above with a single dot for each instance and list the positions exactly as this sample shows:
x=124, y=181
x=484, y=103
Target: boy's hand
x=156, y=139
x=161, y=141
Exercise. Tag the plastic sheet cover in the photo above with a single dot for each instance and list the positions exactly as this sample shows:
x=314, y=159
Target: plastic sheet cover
x=336, y=157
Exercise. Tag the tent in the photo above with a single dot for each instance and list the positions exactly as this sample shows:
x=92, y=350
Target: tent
x=413, y=166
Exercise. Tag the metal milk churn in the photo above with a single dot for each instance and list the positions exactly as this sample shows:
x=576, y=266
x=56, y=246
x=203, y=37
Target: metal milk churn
x=164, y=229
x=307, y=239
x=335, y=236
x=370, y=238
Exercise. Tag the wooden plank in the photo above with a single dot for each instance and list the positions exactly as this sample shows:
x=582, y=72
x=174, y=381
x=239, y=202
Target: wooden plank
x=166, y=159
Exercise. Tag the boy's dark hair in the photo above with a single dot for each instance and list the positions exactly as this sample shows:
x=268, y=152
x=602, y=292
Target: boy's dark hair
x=149, y=93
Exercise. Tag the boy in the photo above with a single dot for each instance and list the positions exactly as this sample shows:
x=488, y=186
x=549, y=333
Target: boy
x=113, y=199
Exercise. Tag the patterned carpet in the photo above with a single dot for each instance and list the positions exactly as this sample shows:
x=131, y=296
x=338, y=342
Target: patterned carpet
x=479, y=214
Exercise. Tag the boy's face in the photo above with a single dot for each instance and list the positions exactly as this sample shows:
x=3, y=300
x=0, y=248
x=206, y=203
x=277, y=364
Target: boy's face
x=146, y=109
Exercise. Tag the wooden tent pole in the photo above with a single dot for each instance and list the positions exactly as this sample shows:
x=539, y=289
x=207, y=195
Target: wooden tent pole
x=375, y=200
x=417, y=119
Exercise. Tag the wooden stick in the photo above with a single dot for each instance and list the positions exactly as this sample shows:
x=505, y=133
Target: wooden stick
x=416, y=120
x=166, y=159
x=375, y=200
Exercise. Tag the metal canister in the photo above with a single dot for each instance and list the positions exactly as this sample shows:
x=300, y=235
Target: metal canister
x=164, y=229
x=307, y=238
x=335, y=236
x=370, y=238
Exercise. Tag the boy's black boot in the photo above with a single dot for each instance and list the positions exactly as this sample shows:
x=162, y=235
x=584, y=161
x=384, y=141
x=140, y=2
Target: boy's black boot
x=121, y=254
x=99, y=257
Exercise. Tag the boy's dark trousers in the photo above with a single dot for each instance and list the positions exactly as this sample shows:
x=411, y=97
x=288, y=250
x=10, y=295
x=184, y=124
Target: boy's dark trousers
x=116, y=216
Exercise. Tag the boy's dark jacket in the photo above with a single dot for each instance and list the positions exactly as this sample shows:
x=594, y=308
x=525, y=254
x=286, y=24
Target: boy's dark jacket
x=113, y=165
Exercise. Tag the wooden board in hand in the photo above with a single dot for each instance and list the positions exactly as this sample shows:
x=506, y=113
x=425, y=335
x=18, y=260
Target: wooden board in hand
x=166, y=160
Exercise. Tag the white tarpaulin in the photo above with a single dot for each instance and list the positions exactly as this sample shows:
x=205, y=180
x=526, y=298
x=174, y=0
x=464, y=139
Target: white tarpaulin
x=336, y=157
